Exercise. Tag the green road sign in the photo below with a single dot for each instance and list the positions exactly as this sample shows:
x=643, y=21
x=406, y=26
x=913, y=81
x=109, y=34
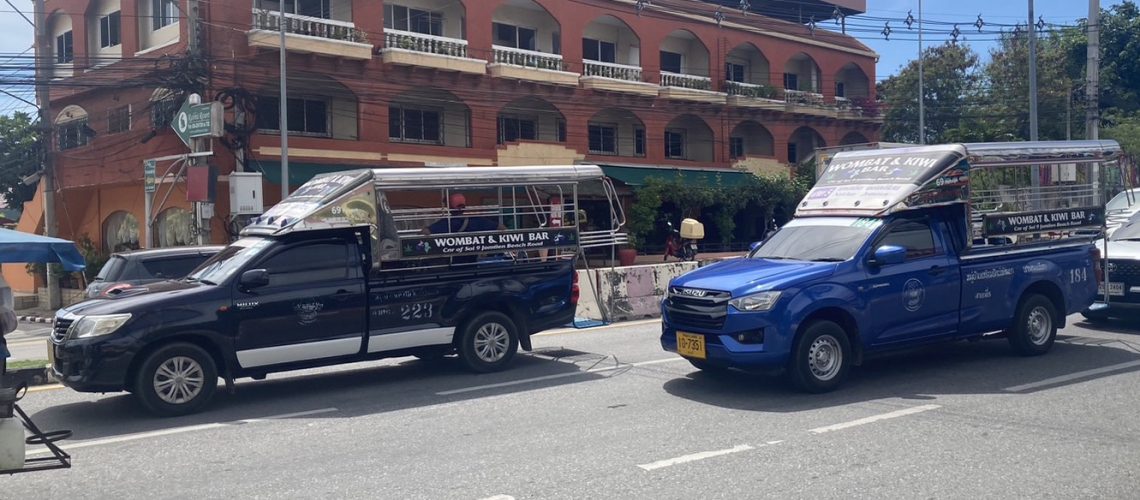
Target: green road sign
x=198, y=120
x=148, y=175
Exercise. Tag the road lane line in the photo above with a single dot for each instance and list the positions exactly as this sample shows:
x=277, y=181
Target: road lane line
x=874, y=418
x=553, y=377
x=694, y=457
x=72, y=445
x=1072, y=376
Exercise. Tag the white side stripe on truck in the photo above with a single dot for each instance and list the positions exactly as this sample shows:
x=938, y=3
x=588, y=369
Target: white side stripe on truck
x=298, y=352
x=414, y=338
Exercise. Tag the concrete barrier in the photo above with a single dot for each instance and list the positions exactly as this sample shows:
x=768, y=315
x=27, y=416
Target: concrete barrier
x=631, y=292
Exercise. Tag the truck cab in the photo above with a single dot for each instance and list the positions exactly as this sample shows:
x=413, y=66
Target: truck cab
x=841, y=282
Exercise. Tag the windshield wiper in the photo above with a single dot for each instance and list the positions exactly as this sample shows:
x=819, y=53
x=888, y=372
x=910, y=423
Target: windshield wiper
x=828, y=259
x=775, y=258
x=204, y=281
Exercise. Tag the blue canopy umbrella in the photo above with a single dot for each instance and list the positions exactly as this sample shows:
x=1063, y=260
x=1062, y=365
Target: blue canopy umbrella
x=16, y=246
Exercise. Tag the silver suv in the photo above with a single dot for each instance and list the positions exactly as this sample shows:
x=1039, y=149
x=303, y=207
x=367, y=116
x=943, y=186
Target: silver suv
x=126, y=270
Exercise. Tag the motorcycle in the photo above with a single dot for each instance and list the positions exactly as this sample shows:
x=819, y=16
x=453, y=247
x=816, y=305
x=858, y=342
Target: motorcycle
x=682, y=243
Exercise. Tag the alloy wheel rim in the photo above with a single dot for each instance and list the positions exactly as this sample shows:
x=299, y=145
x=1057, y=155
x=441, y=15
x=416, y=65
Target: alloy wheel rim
x=491, y=342
x=179, y=380
x=825, y=357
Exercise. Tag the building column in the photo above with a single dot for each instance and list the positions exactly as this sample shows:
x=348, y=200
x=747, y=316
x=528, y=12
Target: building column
x=368, y=16
x=478, y=29
x=129, y=28
x=79, y=42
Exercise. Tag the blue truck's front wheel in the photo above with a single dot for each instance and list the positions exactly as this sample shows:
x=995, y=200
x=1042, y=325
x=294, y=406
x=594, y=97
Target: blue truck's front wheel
x=821, y=357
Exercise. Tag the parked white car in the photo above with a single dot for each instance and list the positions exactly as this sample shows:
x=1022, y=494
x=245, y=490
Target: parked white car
x=1121, y=207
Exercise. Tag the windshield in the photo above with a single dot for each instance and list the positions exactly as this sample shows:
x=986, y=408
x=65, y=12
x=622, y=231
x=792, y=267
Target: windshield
x=112, y=269
x=825, y=239
x=1122, y=201
x=223, y=265
x=1129, y=231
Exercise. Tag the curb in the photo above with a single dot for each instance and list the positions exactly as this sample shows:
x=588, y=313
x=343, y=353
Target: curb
x=30, y=376
x=34, y=319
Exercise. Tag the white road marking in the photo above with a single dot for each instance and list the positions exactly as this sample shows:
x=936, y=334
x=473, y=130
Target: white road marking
x=500, y=497
x=875, y=418
x=694, y=457
x=1072, y=376
x=72, y=445
x=774, y=442
x=553, y=377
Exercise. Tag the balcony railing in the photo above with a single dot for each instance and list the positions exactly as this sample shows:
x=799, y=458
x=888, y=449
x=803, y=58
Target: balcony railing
x=612, y=70
x=527, y=58
x=751, y=90
x=685, y=81
x=419, y=42
x=270, y=20
x=803, y=98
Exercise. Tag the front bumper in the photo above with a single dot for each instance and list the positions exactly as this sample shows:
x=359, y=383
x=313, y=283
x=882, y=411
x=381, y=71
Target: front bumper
x=91, y=365
x=1112, y=309
x=724, y=350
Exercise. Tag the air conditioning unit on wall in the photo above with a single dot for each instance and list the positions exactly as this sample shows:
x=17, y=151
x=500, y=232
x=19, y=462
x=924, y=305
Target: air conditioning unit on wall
x=246, y=194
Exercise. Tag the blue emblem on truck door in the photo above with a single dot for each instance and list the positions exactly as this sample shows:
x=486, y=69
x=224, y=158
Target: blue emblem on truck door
x=914, y=294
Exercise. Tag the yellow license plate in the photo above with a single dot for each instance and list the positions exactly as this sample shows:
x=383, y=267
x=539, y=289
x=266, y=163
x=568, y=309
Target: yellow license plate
x=691, y=346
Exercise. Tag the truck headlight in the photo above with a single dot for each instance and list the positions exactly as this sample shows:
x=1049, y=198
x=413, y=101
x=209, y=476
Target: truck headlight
x=97, y=326
x=762, y=301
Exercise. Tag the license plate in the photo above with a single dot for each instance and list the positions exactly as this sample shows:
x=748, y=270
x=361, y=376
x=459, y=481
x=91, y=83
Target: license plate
x=51, y=353
x=1114, y=288
x=691, y=346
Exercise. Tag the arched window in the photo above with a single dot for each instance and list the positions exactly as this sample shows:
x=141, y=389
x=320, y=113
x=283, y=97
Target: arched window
x=173, y=228
x=120, y=232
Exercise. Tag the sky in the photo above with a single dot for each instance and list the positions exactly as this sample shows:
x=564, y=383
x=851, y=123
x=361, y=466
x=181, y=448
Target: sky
x=903, y=46
x=16, y=34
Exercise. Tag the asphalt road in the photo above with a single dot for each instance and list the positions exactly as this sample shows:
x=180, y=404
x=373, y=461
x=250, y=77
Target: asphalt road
x=605, y=413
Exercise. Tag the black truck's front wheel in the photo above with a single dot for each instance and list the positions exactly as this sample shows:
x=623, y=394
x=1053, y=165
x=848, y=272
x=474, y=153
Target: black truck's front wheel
x=488, y=342
x=1035, y=327
x=821, y=357
x=176, y=379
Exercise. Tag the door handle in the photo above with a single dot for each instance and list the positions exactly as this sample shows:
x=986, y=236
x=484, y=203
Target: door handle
x=936, y=270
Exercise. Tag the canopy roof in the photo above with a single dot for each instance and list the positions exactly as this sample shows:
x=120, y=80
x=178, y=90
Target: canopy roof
x=16, y=246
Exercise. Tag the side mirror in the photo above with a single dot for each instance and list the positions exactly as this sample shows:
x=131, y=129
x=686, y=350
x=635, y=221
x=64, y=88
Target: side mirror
x=755, y=245
x=254, y=278
x=889, y=254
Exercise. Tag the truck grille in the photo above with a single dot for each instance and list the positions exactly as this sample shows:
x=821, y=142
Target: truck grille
x=706, y=312
x=59, y=329
x=1127, y=272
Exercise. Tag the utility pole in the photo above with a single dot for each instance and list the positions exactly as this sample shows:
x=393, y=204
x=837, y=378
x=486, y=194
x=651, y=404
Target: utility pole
x=284, y=119
x=921, y=96
x=43, y=97
x=203, y=210
x=1092, y=92
x=1035, y=171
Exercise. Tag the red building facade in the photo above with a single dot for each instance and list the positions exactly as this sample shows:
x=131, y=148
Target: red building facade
x=668, y=84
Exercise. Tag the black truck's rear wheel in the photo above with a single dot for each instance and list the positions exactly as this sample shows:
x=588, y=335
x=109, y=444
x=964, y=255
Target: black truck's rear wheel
x=488, y=342
x=176, y=379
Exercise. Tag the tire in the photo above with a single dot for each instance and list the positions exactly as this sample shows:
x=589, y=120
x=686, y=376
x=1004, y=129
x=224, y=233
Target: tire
x=489, y=342
x=158, y=389
x=1035, y=326
x=821, y=358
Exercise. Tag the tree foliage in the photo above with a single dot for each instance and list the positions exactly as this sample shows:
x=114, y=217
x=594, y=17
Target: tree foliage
x=19, y=158
x=949, y=78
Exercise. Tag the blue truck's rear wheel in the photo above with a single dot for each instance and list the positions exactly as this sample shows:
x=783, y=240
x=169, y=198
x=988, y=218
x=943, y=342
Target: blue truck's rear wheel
x=488, y=342
x=1035, y=327
x=821, y=357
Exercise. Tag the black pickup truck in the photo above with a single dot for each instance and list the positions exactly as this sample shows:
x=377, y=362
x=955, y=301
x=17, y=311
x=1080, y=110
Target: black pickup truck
x=314, y=290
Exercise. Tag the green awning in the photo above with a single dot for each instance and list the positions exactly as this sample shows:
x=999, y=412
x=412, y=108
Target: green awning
x=636, y=176
x=299, y=172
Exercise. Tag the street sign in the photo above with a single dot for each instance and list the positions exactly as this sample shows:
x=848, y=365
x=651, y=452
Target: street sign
x=198, y=120
x=148, y=175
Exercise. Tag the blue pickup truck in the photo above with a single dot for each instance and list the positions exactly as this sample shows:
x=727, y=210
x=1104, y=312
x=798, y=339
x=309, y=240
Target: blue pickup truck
x=880, y=257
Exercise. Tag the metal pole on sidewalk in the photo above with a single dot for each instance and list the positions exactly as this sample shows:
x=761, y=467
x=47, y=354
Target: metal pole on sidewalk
x=1035, y=170
x=921, y=96
x=43, y=97
x=284, y=119
x=1092, y=93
